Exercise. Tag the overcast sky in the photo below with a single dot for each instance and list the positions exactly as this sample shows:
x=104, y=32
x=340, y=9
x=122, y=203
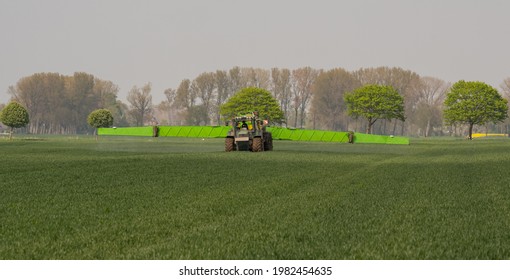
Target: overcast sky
x=164, y=41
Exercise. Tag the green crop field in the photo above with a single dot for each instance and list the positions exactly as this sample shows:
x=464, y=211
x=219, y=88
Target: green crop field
x=179, y=198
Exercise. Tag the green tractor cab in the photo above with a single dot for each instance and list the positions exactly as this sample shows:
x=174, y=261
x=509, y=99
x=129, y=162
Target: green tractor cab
x=248, y=133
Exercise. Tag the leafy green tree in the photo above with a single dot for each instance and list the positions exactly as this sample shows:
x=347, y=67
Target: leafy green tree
x=375, y=102
x=406, y=83
x=100, y=118
x=474, y=103
x=250, y=100
x=14, y=115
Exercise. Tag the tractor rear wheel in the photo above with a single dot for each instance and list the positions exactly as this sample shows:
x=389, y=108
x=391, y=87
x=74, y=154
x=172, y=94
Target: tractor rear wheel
x=257, y=145
x=229, y=144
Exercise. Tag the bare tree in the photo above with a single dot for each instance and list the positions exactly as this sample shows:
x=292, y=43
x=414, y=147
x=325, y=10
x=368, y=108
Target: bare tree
x=505, y=86
x=183, y=97
x=203, y=87
x=281, y=87
x=32, y=93
x=170, y=95
x=185, y=100
x=256, y=77
x=223, y=92
x=168, y=104
x=302, y=81
x=81, y=99
x=140, y=100
x=236, y=83
x=432, y=92
x=328, y=106
x=106, y=91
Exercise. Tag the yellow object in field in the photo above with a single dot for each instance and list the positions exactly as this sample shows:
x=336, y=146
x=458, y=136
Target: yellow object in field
x=479, y=135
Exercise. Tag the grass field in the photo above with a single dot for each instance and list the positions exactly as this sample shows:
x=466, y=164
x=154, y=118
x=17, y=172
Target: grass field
x=177, y=198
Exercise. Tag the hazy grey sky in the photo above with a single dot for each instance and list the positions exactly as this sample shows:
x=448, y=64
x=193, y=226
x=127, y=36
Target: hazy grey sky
x=165, y=41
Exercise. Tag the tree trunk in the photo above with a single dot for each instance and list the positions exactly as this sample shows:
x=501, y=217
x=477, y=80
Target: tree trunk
x=296, y=118
x=369, y=127
x=470, y=131
x=427, y=129
x=302, y=118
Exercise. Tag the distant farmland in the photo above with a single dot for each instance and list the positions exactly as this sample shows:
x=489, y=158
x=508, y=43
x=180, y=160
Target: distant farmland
x=182, y=198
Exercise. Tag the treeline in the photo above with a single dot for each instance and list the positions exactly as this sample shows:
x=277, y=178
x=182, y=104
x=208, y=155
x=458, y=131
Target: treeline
x=59, y=104
x=310, y=98
x=313, y=98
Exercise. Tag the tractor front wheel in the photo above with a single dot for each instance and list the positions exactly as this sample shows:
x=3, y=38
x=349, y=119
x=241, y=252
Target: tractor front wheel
x=229, y=144
x=257, y=145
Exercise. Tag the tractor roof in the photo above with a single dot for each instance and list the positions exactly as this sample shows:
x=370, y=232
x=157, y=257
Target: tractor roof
x=245, y=117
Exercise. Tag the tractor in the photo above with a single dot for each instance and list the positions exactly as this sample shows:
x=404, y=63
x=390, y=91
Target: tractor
x=248, y=133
